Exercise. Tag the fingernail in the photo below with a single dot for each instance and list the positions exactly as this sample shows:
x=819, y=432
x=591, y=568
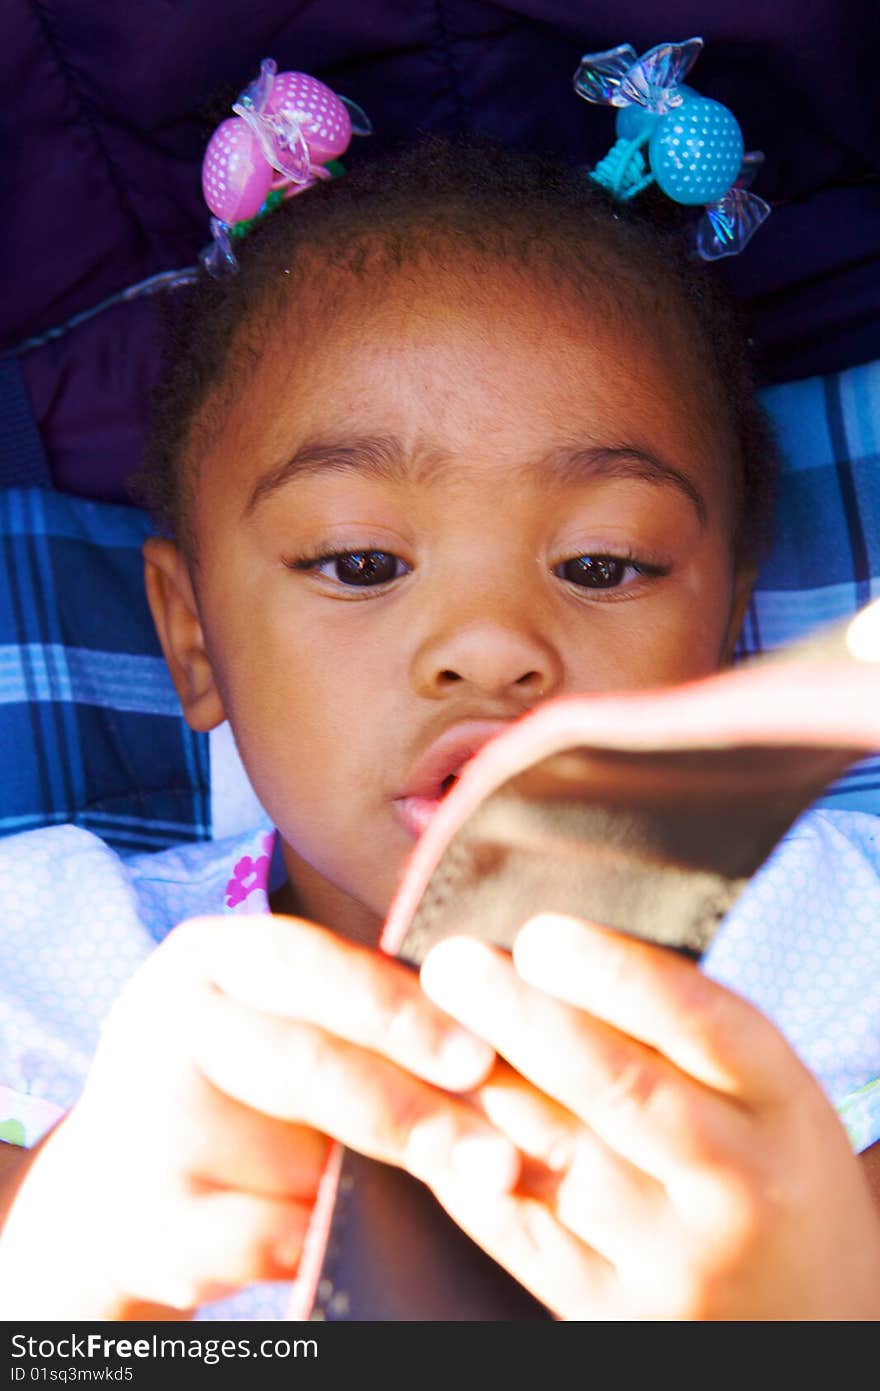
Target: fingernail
x=863, y=634
x=288, y=1251
x=464, y=1061
x=488, y=1161
x=546, y=933
x=449, y=965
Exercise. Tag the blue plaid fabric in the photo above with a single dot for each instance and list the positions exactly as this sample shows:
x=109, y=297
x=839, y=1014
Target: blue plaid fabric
x=91, y=730
x=825, y=561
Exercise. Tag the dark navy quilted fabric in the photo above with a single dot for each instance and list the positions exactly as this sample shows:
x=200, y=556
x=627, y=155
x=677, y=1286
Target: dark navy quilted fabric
x=106, y=109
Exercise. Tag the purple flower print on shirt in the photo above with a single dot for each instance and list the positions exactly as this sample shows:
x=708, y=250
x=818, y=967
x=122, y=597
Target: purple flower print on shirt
x=250, y=875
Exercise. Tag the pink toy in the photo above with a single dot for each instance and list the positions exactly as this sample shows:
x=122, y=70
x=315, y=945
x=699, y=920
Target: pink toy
x=287, y=126
x=317, y=117
x=235, y=175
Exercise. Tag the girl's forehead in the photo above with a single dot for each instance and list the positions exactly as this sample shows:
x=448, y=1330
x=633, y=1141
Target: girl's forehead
x=469, y=370
x=444, y=352
x=469, y=399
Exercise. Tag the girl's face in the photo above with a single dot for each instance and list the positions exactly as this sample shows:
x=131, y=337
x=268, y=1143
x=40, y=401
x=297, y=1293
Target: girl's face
x=455, y=504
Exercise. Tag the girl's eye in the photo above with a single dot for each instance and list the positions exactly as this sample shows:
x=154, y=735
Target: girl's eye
x=363, y=569
x=603, y=571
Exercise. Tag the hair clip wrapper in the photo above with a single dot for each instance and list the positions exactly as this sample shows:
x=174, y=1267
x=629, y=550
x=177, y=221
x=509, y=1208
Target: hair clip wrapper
x=288, y=131
x=690, y=146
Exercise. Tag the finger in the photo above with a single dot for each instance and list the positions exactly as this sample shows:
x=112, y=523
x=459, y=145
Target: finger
x=212, y=1243
x=296, y=970
x=644, y=1107
x=660, y=998
x=593, y=1191
x=220, y=1141
x=539, y=1127
x=525, y=1237
x=169, y=1118
x=299, y=1073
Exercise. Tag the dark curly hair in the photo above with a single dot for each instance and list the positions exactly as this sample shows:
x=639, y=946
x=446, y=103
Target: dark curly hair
x=435, y=202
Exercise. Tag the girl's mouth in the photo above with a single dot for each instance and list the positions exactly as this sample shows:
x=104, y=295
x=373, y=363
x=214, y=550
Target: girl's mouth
x=417, y=813
x=437, y=771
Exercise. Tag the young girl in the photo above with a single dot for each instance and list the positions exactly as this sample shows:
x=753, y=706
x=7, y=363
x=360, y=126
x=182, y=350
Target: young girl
x=459, y=437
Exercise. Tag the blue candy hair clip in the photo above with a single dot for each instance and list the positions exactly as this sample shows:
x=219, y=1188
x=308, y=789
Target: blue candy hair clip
x=690, y=146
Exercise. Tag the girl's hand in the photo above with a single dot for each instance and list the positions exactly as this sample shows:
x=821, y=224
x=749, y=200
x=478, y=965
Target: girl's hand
x=190, y=1165
x=682, y=1162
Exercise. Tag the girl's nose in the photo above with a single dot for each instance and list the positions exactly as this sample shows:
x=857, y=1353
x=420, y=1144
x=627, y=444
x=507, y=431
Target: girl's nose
x=493, y=657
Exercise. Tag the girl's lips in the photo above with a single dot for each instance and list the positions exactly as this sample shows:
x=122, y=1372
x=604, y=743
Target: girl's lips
x=416, y=813
x=442, y=760
x=446, y=755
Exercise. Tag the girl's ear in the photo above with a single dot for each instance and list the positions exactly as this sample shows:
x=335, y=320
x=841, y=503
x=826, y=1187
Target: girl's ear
x=173, y=605
x=743, y=584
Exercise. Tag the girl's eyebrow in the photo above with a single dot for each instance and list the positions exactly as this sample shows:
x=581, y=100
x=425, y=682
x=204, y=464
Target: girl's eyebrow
x=373, y=457
x=578, y=462
x=387, y=459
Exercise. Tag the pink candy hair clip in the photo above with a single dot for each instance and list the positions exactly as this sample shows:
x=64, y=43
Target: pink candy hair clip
x=287, y=132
